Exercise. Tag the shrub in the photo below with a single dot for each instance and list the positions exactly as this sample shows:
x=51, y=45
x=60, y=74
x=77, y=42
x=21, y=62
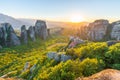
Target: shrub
x=91, y=66
x=91, y=50
x=116, y=66
x=112, y=56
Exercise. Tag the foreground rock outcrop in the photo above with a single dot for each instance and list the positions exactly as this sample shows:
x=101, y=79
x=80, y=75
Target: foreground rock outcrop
x=108, y=74
x=10, y=79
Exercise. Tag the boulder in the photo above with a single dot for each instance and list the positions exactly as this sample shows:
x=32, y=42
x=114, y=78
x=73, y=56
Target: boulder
x=110, y=43
x=24, y=35
x=41, y=29
x=65, y=57
x=31, y=33
x=57, y=57
x=51, y=55
x=8, y=36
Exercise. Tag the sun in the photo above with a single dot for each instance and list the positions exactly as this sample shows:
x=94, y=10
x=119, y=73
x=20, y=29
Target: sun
x=76, y=19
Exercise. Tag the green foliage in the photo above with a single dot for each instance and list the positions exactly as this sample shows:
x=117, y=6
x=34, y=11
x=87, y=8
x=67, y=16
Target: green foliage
x=63, y=71
x=91, y=66
x=88, y=59
x=91, y=50
x=112, y=56
x=71, y=69
x=116, y=66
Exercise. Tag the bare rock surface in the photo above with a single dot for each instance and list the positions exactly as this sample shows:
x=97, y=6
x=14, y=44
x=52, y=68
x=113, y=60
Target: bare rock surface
x=41, y=29
x=8, y=36
x=108, y=74
x=24, y=35
x=97, y=29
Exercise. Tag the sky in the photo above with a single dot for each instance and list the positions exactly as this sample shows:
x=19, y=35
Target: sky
x=62, y=10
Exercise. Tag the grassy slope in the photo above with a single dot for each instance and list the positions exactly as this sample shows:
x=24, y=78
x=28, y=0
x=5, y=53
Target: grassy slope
x=13, y=60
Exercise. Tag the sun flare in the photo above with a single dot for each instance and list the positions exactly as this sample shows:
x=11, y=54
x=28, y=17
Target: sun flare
x=76, y=19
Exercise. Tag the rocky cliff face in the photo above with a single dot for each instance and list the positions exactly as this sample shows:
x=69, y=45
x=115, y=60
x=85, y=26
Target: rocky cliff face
x=31, y=33
x=115, y=34
x=24, y=34
x=8, y=36
x=97, y=30
x=41, y=29
x=100, y=30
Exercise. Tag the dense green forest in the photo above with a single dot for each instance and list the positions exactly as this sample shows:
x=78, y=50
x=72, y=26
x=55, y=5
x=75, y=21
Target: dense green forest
x=87, y=59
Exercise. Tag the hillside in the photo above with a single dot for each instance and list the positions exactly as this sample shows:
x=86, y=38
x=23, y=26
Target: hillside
x=30, y=61
x=15, y=23
x=18, y=22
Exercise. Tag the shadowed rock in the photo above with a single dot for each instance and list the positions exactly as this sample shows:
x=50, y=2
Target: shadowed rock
x=50, y=55
x=8, y=36
x=58, y=57
x=65, y=57
x=31, y=33
x=110, y=43
x=24, y=35
x=14, y=39
x=41, y=29
x=0, y=47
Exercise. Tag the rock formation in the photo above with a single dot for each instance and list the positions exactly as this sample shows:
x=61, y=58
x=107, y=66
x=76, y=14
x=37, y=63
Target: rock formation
x=58, y=57
x=100, y=30
x=41, y=29
x=115, y=34
x=31, y=33
x=97, y=29
x=8, y=36
x=65, y=57
x=24, y=35
x=108, y=74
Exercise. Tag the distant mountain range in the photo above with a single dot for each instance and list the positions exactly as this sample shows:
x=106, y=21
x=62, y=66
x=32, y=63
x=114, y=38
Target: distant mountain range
x=17, y=23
